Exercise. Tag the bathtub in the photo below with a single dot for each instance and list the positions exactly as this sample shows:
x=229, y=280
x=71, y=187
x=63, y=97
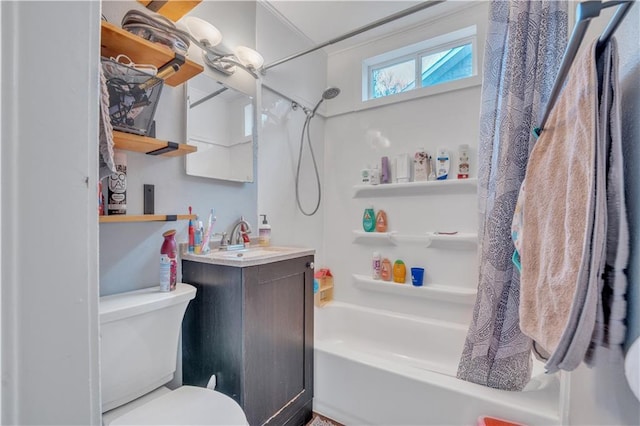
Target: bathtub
x=380, y=368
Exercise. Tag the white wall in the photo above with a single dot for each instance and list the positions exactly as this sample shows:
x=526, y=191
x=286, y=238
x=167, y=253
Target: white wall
x=303, y=80
x=129, y=252
x=446, y=119
x=49, y=224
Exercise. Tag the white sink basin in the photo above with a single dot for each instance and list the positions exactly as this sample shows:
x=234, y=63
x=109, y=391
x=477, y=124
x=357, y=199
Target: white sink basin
x=249, y=256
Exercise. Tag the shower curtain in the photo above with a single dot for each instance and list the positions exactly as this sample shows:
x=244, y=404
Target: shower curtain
x=524, y=47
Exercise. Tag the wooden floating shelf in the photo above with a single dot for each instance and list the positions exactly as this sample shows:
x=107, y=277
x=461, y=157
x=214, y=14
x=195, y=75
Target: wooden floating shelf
x=115, y=41
x=172, y=9
x=446, y=293
x=449, y=186
x=145, y=218
x=151, y=146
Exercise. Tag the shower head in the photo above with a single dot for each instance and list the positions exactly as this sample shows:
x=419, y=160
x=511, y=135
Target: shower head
x=329, y=93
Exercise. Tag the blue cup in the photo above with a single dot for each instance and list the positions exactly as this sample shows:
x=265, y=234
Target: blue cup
x=417, y=275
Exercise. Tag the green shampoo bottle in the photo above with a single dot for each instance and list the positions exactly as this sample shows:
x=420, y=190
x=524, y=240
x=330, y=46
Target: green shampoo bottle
x=369, y=219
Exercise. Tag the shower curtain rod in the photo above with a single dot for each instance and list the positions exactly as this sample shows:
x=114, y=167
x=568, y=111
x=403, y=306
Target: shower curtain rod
x=585, y=12
x=374, y=24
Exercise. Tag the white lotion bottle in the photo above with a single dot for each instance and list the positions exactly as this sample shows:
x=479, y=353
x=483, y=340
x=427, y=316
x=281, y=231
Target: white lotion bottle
x=442, y=164
x=374, y=176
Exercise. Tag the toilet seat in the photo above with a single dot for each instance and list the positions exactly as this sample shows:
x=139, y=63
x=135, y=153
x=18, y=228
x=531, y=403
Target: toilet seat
x=187, y=405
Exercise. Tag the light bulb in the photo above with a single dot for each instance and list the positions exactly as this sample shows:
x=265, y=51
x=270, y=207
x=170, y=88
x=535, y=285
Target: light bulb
x=203, y=31
x=249, y=57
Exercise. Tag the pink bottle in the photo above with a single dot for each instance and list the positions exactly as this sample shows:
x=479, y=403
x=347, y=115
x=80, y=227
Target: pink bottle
x=168, y=262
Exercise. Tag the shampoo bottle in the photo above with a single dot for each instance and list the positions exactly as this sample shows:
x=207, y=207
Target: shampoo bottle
x=264, y=232
x=385, y=172
x=374, y=176
x=365, y=175
x=385, y=270
x=403, y=168
x=463, y=164
x=381, y=221
x=420, y=165
x=399, y=272
x=376, y=266
x=442, y=164
x=369, y=219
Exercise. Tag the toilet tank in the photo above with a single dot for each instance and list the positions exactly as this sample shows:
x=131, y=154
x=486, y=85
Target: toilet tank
x=139, y=333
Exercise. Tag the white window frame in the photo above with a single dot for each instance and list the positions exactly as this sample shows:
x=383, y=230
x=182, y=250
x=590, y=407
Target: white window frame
x=417, y=51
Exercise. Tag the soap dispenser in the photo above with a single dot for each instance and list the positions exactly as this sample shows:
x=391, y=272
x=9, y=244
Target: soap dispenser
x=264, y=232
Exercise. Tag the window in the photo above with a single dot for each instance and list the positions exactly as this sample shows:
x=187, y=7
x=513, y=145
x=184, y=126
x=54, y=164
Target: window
x=435, y=61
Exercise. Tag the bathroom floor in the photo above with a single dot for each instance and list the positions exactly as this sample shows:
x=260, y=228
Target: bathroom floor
x=319, y=420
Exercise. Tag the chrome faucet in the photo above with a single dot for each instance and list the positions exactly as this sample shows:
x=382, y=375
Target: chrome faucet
x=235, y=237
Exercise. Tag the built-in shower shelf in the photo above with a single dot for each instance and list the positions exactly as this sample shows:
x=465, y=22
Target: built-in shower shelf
x=379, y=238
x=449, y=186
x=429, y=239
x=428, y=291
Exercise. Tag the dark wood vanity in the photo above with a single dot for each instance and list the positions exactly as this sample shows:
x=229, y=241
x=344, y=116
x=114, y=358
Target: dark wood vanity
x=253, y=328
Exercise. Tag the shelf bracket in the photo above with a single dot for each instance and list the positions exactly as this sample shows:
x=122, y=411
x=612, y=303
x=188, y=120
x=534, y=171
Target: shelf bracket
x=171, y=146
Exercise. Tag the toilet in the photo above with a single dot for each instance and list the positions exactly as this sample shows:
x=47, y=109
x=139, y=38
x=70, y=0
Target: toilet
x=139, y=333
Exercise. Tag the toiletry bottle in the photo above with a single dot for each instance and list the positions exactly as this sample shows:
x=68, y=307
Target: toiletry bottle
x=100, y=199
x=376, y=265
x=399, y=272
x=420, y=165
x=369, y=219
x=192, y=236
x=385, y=172
x=463, y=164
x=264, y=232
x=432, y=168
x=374, y=177
x=403, y=168
x=168, y=262
x=442, y=164
x=381, y=221
x=385, y=270
x=197, y=239
x=365, y=175
x=117, y=193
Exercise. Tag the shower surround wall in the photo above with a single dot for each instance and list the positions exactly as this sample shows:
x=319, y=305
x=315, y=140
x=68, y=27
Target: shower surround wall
x=355, y=137
x=304, y=80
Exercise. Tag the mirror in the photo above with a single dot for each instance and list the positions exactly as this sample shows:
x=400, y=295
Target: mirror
x=220, y=123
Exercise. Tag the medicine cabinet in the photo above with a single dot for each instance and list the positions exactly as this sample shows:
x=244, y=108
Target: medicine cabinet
x=220, y=124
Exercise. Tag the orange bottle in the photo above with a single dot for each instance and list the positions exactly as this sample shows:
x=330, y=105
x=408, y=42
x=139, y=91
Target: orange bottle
x=399, y=272
x=381, y=221
x=385, y=270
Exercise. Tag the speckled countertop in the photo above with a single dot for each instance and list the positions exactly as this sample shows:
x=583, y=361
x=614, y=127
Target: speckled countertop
x=249, y=257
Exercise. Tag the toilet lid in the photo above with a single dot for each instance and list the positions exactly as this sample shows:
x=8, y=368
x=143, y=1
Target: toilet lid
x=187, y=405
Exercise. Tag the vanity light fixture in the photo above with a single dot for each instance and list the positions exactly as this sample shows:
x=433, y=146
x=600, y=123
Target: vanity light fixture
x=207, y=37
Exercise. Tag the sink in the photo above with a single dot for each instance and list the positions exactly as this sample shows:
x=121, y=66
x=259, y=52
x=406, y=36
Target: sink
x=250, y=256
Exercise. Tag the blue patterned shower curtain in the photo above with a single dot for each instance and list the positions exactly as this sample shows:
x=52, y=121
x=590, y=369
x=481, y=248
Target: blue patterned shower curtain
x=524, y=48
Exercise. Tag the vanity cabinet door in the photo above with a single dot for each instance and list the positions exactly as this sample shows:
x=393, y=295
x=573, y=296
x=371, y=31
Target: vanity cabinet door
x=278, y=340
x=253, y=328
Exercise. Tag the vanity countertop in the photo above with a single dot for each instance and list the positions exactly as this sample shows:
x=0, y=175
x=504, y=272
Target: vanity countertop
x=251, y=256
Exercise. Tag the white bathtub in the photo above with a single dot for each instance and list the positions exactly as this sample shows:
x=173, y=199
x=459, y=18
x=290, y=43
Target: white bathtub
x=379, y=368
